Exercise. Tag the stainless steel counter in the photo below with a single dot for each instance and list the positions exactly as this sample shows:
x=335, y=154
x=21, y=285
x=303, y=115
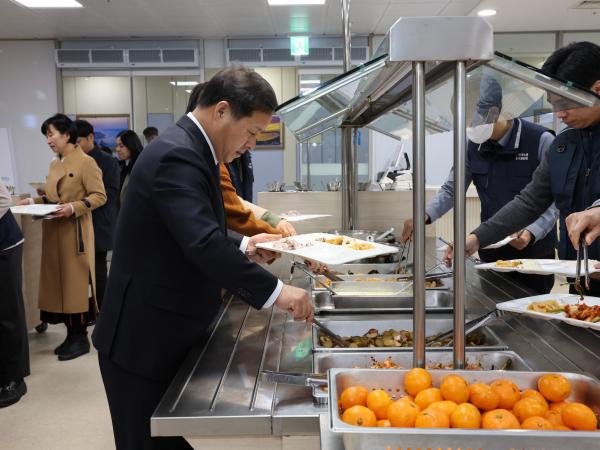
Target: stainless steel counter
x=218, y=391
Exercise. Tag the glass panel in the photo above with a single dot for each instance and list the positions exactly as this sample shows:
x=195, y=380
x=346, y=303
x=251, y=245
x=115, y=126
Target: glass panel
x=531, y=48
x=326, y=106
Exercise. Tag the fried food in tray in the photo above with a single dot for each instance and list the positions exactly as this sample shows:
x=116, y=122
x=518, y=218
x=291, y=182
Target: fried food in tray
x=389, y=364
x=502, y=263
x=581, y=311
x=394, y=338
x=548, y=306
x=352, y=243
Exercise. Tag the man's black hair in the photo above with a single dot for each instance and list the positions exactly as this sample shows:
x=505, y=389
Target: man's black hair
x=150, y=131
x=578, y=62
x=84, y=128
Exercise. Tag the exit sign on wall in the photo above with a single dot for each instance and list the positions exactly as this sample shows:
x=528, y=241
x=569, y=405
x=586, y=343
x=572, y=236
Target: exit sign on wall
x=299, y=45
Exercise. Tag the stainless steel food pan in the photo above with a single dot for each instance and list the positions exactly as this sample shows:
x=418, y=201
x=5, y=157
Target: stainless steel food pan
x=385, y=278
x=435, y=301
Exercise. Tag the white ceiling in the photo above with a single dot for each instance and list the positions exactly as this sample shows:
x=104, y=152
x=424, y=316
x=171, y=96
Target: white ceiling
x=221, y=18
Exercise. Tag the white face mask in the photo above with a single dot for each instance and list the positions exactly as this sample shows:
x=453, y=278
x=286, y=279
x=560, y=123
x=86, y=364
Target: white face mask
x=480, y=133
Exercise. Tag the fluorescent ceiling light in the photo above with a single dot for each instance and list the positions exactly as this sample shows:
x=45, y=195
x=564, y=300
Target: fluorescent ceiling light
x=183, y=83
x=487, y=12
x=295, y=2
x=310, y=81
x=50, y=3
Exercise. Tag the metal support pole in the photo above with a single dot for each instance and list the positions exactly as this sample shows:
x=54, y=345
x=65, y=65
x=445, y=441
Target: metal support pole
x=460, y=273
x=419, y=213
x=346, y=29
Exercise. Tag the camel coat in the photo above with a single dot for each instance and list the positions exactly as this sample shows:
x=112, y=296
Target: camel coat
x=68, y=243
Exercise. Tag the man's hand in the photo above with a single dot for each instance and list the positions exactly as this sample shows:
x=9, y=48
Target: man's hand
x=522, y=239
x=471, y=246
x=585, y=222
x=407, y=230
x=285, y=228
x=260, y=255
x=295, y=301
x=65, y=210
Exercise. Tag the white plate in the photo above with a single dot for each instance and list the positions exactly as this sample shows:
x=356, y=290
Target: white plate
x=541, y=267
x=330, y=254
x=499, y=244
x=301, y=217
x=34, y=210
x=520, y=306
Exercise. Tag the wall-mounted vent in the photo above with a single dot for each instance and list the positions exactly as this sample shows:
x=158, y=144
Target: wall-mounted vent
x=113, y=58
x=245, y=54
x=356, y=54
x=180, y=56
x=72, y=56
x=110, y=57
x=277, y=55
x=588, y=4
x=144, y=56
x=317, y=54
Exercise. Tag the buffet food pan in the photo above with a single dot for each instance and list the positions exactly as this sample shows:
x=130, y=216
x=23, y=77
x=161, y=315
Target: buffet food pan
x=348, y=326
x=435, y=301
x=400, y=279
x=363, y=268
x=586, y=390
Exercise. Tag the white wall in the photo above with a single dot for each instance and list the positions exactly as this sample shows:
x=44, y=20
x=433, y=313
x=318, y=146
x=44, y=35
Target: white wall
x=28, y=96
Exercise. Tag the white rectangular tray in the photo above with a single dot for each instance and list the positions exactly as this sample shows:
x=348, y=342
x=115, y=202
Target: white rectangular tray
x=499, y=244
x=541, y=267
x=520, y=306
x=34, y=210
x=330, y=254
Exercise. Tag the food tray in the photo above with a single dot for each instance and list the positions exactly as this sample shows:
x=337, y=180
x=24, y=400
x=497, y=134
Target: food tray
x=329, y=254
x=435, y=301
x=350, y=326
x=541, y=267
x=520, y=306
x=585, y=389
x=34, y=210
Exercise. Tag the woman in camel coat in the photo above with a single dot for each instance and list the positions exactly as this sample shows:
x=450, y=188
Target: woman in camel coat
x=75, y=184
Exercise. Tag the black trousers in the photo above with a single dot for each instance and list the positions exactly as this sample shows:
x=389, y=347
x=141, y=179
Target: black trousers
x=101, y=276
x=132, y=399
x=14, y=349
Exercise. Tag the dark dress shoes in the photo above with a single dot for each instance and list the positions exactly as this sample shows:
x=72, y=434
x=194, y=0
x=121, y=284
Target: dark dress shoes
x=60, y=348
x=74, y=347
x=12, y=393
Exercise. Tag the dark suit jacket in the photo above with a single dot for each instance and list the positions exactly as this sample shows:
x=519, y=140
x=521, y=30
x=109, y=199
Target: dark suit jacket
x=171, y=258
x=105, y=217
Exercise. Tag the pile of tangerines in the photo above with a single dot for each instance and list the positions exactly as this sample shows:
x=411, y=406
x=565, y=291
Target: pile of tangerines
x=499, y=405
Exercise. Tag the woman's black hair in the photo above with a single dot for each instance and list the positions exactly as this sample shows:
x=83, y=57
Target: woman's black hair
x=63, y=125
x=130, y=139
x=578, y=62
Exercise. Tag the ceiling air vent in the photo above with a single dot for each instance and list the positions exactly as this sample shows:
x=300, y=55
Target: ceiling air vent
x=108, y=57
x=277, y=54
x=180, y=56
x=245, y=55
x=588, y=4
x=72, y=57
x=144, y=56
x=356, y=54
x=317, y=54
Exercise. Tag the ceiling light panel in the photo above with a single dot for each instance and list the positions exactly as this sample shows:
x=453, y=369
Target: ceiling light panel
x=295, y=2
x=49, y=3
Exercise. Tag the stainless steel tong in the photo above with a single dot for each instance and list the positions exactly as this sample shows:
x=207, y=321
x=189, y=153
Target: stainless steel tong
x=470, y=326
x=582, y=251
x=404, y=254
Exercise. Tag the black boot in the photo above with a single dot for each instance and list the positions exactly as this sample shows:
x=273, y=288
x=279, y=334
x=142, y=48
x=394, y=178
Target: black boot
x=60, y=348
x=12, y=393
x=75, y=346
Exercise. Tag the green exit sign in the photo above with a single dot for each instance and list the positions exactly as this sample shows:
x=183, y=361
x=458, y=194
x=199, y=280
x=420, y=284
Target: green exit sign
x=299, y=45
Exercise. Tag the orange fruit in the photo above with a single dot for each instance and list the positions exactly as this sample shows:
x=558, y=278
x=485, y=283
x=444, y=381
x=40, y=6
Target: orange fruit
x=507, y=391
x=403, y=413
x=558, y=406
x=465, y=415
x=554, y=417
x=416, y=380
x=432, y=418
x=353, y=395
x=483, y=396
x=359, y=415
x=499, y=419
x=529, y=407
x=379, y=401
x=562, y=428
x=454, y=388
x=579, y=417
x=536, y=423
x=554, y=387
x=445, y=405
x=428, y=396
x=384, y=423
x=535, y=394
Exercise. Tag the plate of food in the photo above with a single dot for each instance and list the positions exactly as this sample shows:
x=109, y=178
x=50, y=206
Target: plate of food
x=537, y=266
x=327, y=248
x=40, y=210
x=568, y=308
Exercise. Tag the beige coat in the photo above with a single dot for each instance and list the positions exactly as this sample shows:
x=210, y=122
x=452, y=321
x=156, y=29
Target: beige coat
x=68, y=243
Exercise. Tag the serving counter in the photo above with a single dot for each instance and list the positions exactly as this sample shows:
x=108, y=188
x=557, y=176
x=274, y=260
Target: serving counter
x=218, y=400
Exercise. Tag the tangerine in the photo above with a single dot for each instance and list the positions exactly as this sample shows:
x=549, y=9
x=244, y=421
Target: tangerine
x=416, y=380
x=554, y=417
x=447, y=406
x=465, y=415
x=428, y=396
x=529, y=407
x=562, y=428
x=384, y=423
x=483, y=396
x=554, y=387
x=379, y=401
x=499, y=419
x=359, y=415
x=579, y=417
x=558, y=406
x=507, y=391
x=353, y=395
x=536, y=423
x=403, y=413
x=535, y=394
x=454, y=388
x=432, y=418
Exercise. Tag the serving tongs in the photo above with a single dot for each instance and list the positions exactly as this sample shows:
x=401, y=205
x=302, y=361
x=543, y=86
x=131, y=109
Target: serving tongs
x=304, y=268
x=582, y=250
x=295, y=378
x=404, y=254
x=334, y=337
x=470, y=327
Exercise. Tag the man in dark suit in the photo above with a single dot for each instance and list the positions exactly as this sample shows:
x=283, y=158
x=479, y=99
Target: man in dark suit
x=105, y=217
x=173, y=256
